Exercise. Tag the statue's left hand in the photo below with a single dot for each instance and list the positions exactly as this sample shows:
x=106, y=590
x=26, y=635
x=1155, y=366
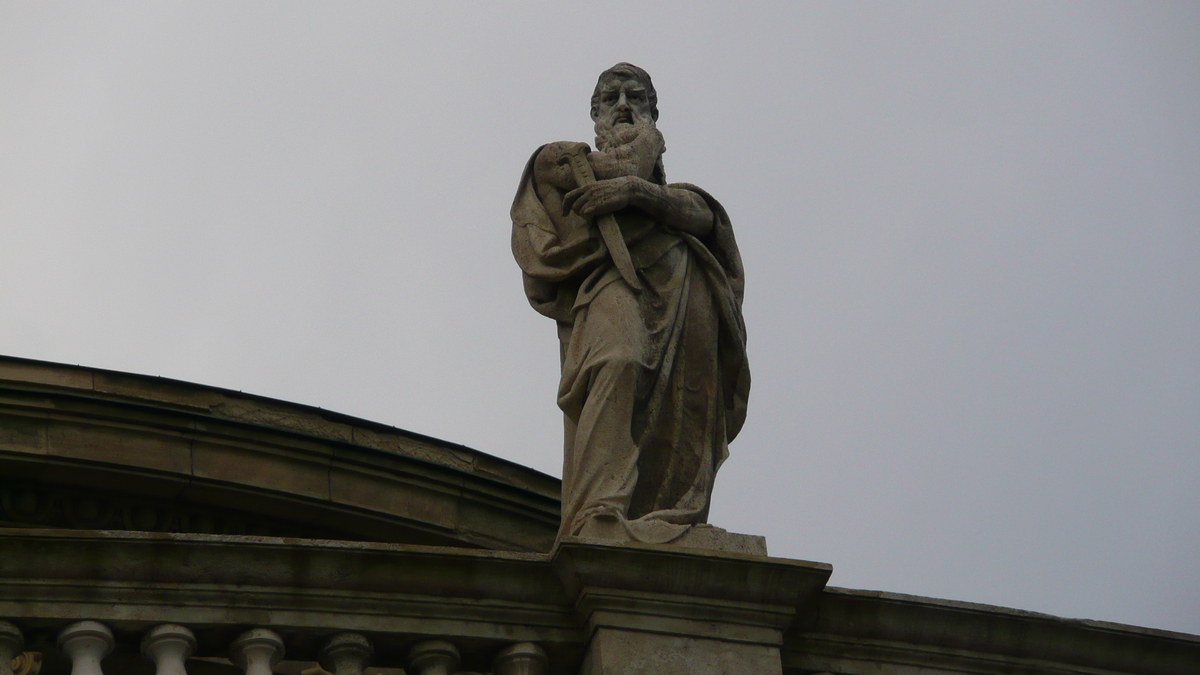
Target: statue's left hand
x=603, y=196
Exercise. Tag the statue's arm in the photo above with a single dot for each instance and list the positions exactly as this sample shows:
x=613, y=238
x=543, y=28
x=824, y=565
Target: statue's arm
x=680, y=209
x=676, y=208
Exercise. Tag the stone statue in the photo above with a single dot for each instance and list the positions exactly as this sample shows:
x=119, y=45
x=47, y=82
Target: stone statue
x=645, y=282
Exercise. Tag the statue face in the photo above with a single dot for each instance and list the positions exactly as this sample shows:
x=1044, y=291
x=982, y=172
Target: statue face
x=623, y=100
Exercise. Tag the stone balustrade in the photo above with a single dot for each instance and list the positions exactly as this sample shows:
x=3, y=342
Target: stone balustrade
x=84, y=647
x=232, y=605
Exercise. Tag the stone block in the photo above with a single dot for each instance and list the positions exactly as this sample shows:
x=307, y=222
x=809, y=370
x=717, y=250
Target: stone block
x=609, y=531
x=23, y=434
x=712, y=538
x=386, y=494
x=182, y=394
x=246, y=466
x=519, y=531
x=622, y=652
x=45, y=373
x=393, y=442
x=119, y=445
x=665, y=608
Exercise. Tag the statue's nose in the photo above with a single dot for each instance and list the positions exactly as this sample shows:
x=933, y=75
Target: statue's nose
x=622, y=104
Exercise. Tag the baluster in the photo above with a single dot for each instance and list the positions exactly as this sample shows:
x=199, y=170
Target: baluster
x=256, y=651
x=523, y=658
x=11, y=644
x=346, y=654
x=433, y=657
x=168, y=646
x=86, y=642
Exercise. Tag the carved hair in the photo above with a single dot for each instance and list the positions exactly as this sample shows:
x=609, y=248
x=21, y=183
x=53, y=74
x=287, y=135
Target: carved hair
x=628, y=71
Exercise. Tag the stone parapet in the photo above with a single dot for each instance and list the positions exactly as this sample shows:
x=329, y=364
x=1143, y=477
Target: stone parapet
x=853, y=631
x=305, y=591
x=621, y=609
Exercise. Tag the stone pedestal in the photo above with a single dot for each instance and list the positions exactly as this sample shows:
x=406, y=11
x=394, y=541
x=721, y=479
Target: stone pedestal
x=672, y=610
x=607, y=531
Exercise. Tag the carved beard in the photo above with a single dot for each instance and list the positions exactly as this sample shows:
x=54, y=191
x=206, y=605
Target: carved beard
x=609, y=137
x=634, y=149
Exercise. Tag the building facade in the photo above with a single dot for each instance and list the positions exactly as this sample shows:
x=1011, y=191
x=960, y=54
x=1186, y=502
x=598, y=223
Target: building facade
x=149, y=525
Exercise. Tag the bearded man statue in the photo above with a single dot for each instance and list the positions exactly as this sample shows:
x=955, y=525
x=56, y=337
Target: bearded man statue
x=652, y=342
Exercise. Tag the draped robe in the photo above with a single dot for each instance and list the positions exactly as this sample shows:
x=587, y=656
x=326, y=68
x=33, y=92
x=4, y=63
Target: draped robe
x=654, y=383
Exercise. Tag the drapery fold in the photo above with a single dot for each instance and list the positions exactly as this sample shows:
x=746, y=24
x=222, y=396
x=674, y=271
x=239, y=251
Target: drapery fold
x=654, y=384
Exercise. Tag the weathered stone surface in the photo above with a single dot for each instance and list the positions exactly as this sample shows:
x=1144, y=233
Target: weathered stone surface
x=74, y=385
x=713, y=538
x=378, y=492
x=23, y=434
x=702, y=536
x=346, y=654
x=120, y=445
x=25, y=371
x=671, y=610
x=855, y=631
x=624, y=652
x=628, y=608
x=169, y=645
x=75, y=456
x=706, y=580
x=257, y=650
x=300, y=475
x=137, y=580
x=644, y=281
x=391, y=442
x=12, y=641
x=523, y=658
x=86, y=643
x=144, y=449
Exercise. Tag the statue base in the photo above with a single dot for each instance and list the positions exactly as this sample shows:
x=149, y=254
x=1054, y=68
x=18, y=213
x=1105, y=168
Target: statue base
x=608, y=531
x=713, y=538
x=667, y=609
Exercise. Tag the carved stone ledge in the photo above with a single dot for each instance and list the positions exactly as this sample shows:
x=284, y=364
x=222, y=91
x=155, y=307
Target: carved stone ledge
x=704, y=536
x=29, y=503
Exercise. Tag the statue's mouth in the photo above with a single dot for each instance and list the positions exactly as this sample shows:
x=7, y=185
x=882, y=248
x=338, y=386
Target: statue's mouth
x=624, y=118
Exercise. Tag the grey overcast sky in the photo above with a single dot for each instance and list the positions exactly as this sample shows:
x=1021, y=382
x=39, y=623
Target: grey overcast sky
x=971, y=234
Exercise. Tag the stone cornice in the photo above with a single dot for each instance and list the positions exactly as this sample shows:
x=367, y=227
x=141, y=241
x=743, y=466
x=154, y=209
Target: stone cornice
x=854, y=629
x=217, y=403
x=397, y=594
x=181, y=443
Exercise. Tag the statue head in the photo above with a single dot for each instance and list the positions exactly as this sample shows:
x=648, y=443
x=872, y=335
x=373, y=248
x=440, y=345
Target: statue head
x=623, y=93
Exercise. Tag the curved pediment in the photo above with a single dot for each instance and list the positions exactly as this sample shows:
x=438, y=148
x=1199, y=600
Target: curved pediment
x=86, y=448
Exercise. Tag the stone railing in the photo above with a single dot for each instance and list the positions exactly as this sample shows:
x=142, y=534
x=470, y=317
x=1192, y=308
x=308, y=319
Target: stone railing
x=83, y=647
x=137, y=603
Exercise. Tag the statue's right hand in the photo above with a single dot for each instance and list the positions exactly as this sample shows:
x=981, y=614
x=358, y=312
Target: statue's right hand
x=602, y=197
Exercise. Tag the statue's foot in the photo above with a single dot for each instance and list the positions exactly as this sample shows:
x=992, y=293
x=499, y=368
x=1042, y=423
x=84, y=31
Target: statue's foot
x=606, y=527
